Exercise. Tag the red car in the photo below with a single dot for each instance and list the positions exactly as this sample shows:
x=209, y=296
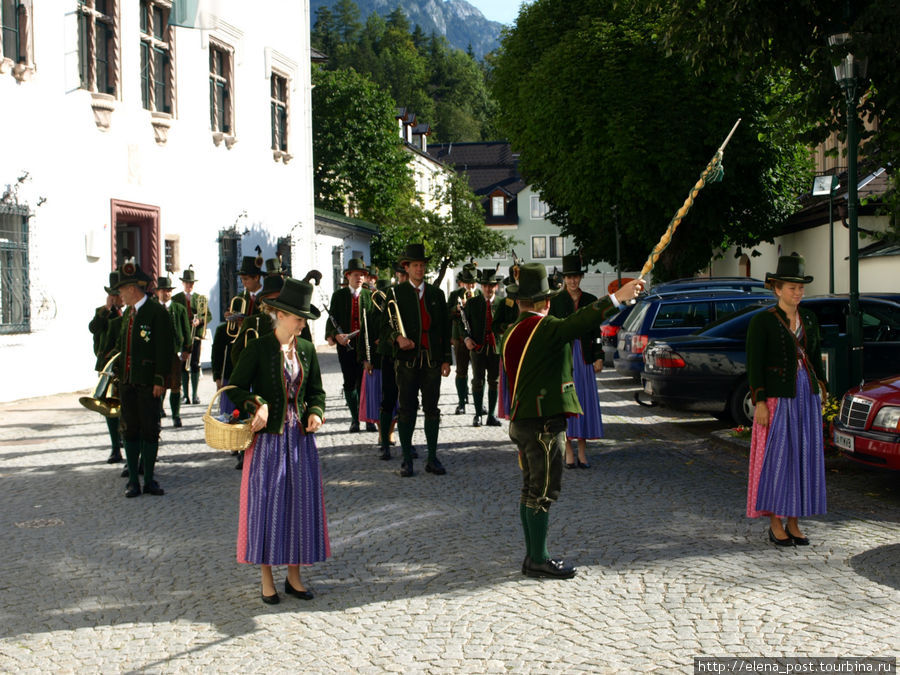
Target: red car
x=868, y=427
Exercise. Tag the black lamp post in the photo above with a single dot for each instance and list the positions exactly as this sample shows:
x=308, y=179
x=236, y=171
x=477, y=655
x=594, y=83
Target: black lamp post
x=848, y=71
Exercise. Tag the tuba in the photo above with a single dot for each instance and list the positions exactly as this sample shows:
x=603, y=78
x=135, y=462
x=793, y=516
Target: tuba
x=105, y=398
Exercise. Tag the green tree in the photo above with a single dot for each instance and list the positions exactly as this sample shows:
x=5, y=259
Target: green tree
x=603, y=117
x=357, y=154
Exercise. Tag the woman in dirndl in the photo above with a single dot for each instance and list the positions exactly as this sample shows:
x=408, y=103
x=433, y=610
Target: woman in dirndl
x=585, y=365
x=282, y=509
x=787, y=381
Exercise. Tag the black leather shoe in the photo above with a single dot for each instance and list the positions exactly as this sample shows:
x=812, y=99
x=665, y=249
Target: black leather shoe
x=550, y=568
x=583, y=465
x=798, y=541
x=525, y=564
x=385, y=453
x=788, y=541
x=493, y=421
x=460, y=409
x=114, y=457
x=176, y=422
x=124, y=473
x=133, y=490
x=371, y=427
x=196, y=400
x=354, y=427
x=406, y=470
x=303, y=595
x=186, y=400
x=434, y=466
x=152, y=488
x=476, y=421
x=273, y=599
x=571, y=465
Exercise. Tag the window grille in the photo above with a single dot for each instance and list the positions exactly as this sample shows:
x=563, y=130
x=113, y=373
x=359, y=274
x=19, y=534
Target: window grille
x=15, y=309
x=279, y=107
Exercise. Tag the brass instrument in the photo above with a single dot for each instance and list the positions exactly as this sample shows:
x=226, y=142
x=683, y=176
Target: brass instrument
x=378, y=298
x=105, y=398
x=202, y=305
x=464, y=318
x=393, y=311
x=238, y=310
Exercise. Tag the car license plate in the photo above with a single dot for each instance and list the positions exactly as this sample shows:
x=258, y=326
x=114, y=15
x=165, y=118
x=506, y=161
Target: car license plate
x=843, y=441
x=648, y=387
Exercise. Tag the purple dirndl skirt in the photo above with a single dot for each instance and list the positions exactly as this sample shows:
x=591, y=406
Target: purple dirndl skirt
x=226, y=407
x=282, y=514
x=370, y=396
x=590, y=424
x=792, y=479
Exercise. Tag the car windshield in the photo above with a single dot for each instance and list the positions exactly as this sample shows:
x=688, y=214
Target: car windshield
x=636, y=318
x=734, y=324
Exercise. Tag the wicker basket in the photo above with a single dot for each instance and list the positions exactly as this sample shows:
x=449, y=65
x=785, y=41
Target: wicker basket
x=224, y=436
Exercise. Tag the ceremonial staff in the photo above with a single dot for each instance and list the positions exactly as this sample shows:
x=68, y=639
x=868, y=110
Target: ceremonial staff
x=712, y=173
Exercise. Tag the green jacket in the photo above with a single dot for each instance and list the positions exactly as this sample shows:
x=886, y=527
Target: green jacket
x=505, y=314
x=341, y=308
x=407, y=299
x=181, y=327
x=100, y=324
x=147, y=358
x=772, y=355
x=252, y=327
x=195, y=309
x=543, y=375
x=261, y=368
x=562, y=306
x=220, y=362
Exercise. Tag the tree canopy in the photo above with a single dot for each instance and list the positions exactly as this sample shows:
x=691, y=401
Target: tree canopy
x=603, y=117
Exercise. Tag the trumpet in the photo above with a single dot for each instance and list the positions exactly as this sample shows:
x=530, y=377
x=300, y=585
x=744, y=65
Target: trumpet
x=105, y=398
x=393, y=311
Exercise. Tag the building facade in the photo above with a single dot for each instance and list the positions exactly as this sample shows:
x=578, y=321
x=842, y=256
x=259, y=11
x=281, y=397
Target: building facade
x=126, y=135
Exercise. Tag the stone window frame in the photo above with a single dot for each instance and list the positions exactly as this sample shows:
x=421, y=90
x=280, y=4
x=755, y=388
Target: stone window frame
x=161, y=114
x=21, y=65
x=15, y=298
x=280, y=66
x=102, y=102
x=225, y=80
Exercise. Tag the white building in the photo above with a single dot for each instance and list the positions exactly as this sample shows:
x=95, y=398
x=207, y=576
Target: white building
x=122, y=133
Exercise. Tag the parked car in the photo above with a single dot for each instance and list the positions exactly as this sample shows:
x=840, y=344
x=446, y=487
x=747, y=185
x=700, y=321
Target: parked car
x=708, y=370
x=867, y=429
x=609, y=330
x=659, y=316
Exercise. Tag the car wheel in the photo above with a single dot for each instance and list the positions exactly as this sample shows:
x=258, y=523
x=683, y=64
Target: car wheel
x=741, y=405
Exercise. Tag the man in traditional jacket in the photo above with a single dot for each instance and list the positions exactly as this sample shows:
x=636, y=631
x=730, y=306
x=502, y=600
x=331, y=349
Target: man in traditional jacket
x=457, y=299
x=103, y=327
x=199, y=316
x=344, y=325
x=481, y=342
x=181, y=332
x=421, y=352
x=538, y=362
x=145, y=362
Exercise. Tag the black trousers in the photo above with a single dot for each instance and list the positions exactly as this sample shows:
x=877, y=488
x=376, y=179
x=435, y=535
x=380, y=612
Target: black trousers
x=140, y=413
x=388, y=386
x=195, y=356
x=485, y=363
x=540, y=441
x=418, y=375
x=351, y=369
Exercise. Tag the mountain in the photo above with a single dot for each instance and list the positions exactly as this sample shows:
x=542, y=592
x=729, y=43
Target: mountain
x=457, y=20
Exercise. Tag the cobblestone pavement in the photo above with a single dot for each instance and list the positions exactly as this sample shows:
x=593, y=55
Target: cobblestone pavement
x=425, y=573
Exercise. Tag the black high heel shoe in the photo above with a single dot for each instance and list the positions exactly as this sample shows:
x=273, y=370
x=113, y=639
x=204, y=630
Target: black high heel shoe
x=290, y=590
x=780, y=542
x=273, y=599
x=798, y=541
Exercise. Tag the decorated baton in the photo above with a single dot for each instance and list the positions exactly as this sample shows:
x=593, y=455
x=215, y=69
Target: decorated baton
x=711, y=174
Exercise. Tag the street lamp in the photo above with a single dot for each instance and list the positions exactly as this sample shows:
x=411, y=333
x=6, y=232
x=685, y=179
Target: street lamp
x=848, y=71
x=825, y=185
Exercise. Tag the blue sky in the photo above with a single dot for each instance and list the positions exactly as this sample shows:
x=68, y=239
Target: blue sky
x=504, y=11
